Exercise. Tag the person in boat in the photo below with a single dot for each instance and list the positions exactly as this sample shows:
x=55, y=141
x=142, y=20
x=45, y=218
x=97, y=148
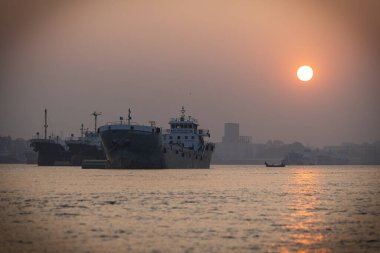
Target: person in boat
x=275, y=165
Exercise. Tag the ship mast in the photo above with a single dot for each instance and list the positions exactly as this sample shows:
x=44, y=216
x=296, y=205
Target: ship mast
x=129, y=116
x=96, y=114
x=81, y=130
x=183, y=113
x=46, y=125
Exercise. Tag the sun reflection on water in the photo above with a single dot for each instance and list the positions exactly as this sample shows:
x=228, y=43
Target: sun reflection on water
x=302, y=216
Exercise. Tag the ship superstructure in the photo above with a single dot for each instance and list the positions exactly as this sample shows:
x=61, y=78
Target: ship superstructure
x=141, y=146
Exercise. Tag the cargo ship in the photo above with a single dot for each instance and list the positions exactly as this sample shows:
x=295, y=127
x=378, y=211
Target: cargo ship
x=51, y=150
x=86, y=147
x=133, y=146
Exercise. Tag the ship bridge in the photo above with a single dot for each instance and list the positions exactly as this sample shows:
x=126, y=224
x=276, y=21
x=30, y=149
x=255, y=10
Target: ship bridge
x=184, y=131
x=183, y=125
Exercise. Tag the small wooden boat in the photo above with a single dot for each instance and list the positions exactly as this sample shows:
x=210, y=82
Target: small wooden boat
x=275, y=165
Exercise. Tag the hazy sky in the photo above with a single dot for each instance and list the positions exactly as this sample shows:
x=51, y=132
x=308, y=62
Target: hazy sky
x=225, y=61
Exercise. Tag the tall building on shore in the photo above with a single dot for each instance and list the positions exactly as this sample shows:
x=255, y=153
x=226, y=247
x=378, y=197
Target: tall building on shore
x=237, y=149
x=233, y=148
x=231, y=133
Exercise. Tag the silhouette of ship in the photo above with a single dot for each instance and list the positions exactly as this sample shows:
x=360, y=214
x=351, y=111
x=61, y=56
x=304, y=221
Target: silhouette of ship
x=54, y=151
x=87, y=147
x=51, y=150
x=136, y=146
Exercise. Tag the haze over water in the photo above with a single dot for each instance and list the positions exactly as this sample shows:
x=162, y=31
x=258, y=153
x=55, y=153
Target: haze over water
x=223, y=209
x=225, y=61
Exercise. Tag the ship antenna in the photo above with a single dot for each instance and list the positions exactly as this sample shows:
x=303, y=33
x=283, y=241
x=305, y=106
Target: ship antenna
x=46, y=125
x=129, y=116
x=96, y=114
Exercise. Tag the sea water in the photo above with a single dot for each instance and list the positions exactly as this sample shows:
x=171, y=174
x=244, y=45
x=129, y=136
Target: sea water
x=222, y=209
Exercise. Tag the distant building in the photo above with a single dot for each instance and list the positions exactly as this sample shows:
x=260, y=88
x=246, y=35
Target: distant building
x=236, y=149
x=231, y=133
x=233, y=148
x=15, y=151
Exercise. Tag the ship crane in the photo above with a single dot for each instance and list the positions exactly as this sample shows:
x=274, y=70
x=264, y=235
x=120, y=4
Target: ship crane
x=96, y=114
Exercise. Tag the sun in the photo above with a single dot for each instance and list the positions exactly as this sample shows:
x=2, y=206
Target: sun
x=305, y=73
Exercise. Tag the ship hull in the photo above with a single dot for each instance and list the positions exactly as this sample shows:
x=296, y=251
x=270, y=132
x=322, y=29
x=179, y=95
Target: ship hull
x=49, y=152
x=131, y=149
x=175, y=156
x=81, y=151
